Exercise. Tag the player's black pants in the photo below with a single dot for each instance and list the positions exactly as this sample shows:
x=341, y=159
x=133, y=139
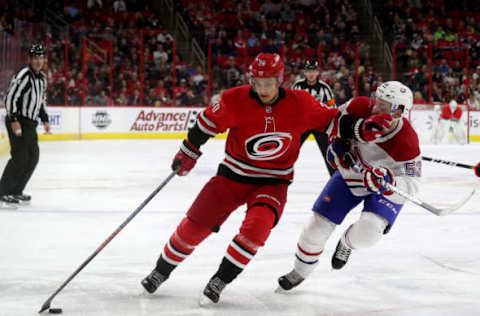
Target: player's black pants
x=322, y=141
x=25, y=153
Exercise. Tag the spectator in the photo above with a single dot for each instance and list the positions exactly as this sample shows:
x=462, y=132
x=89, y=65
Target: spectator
x=119, y=5
x=159, y=55
x=189, y=99
x=135, y=98
x=418, y=98
x=101, y=99
x=473, y=101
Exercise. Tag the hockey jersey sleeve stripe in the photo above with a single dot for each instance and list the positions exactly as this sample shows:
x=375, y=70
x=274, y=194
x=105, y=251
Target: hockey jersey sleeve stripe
x=245, y=166
x=204, y=118
x=204, y=129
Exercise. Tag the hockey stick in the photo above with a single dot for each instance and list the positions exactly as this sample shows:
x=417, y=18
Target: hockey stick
x=428, y=207
x=47, y=303
x=476, y=168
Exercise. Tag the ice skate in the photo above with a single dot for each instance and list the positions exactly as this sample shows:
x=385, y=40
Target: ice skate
x=8, y=202
x=340, y=257
x=153, y=281
x=211, y=293
x=289, y=281
x=23, y=199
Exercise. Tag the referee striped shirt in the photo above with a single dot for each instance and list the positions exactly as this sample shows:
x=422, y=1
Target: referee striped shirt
x=27, y=96
x=320, y=91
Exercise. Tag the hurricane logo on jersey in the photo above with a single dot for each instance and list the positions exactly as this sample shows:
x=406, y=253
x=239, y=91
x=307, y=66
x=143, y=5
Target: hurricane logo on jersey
x=267, y=146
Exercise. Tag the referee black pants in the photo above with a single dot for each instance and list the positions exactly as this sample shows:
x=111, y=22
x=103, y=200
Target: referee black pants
x=322, y=141
x=24, y=153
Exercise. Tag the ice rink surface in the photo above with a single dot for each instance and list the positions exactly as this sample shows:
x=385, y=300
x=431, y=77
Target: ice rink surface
x=82, y=191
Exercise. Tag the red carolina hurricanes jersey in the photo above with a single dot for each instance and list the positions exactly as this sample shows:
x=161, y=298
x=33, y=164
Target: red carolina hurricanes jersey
x=263, y=140
x=448, y=115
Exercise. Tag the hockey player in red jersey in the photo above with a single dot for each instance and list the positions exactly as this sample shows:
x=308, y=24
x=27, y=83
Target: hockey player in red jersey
x=265, y=122
x=361, y=169
x=450, y=121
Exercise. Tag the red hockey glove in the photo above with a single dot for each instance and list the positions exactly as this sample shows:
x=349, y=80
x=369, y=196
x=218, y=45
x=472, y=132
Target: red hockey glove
x=186, y=158
x=372, y=128
x=339, y=154
x=372, y=180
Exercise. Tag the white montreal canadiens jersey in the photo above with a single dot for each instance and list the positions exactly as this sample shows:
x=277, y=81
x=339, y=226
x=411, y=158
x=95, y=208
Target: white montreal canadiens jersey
x=398, y=150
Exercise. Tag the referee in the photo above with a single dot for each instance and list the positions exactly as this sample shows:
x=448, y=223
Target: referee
x=24, y=102
x=323, y=93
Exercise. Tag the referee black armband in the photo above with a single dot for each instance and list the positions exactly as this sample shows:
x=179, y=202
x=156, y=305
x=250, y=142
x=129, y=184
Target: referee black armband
x=197, y=137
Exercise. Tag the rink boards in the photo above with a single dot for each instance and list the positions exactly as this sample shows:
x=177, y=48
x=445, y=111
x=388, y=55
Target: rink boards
x=166, y=122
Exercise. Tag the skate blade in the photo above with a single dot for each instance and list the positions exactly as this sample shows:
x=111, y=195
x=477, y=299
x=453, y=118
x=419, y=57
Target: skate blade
x=205, y=302
x=5, y=206
x=281, y=290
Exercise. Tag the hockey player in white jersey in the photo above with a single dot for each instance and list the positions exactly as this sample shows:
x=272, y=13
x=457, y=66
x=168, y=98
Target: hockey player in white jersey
x=450, y=122
x=361, y=167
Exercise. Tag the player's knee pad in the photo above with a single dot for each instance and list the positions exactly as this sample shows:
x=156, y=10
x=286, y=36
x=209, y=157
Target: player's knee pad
x=316, y=233
x=367, y=231
x=192, y=233
x=257, y=224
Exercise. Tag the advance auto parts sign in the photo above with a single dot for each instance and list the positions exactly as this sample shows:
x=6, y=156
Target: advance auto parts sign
x=101, y=119
x=167, y=120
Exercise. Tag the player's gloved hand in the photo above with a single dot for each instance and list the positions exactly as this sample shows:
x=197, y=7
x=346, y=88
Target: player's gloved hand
x=373, y=127
x=185, y=159
x=339, y=154
x=372, y=178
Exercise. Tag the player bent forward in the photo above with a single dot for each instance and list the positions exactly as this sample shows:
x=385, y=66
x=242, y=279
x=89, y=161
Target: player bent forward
x=265, y=123
x=361, y=168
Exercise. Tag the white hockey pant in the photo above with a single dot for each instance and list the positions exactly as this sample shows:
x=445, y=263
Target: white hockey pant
x=443, y=129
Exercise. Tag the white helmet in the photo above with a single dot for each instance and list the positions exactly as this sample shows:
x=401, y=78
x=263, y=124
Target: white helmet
x=453, y=105
x=397, y=94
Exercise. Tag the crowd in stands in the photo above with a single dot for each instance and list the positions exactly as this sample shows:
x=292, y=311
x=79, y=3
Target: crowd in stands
x=447, y=28
x=298, y=30
x=121, y=32
x=129, y=56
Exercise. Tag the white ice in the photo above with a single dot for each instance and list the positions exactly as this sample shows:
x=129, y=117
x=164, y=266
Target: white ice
x=83, y=190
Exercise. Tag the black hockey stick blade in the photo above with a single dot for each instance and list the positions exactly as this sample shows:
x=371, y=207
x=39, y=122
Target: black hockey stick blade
x=435, y=210
x=45, y=306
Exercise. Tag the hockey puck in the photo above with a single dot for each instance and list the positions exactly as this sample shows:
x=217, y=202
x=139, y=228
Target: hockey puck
x=55, y=311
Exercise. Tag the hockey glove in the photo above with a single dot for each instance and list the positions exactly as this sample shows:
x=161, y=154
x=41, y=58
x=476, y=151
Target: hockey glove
x=339, y=154
x=372, y=128
x=372, y=178
x=185, y=159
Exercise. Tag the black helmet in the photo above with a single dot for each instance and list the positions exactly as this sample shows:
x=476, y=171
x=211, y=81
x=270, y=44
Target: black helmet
x=311, y=65
x=36, y=50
